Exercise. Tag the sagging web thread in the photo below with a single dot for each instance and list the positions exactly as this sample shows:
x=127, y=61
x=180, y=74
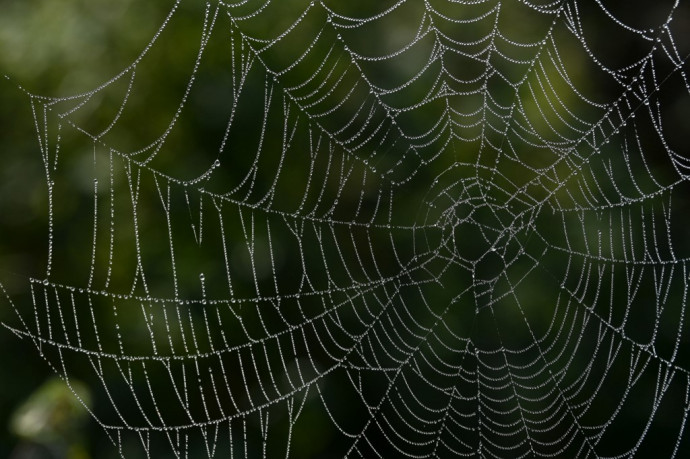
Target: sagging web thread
x=418, y=233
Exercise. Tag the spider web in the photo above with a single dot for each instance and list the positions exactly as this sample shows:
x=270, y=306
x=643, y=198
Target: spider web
x=401, y=228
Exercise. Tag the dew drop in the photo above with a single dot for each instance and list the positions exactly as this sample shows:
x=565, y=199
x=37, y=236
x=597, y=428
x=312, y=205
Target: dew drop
x=216, y=163
x=45, y=281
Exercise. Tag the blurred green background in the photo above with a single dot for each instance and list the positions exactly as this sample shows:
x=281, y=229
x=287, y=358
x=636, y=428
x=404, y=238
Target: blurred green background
x=62, y=48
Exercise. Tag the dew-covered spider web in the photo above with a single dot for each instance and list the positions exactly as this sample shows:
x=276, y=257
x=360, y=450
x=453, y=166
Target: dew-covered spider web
x=416, y=228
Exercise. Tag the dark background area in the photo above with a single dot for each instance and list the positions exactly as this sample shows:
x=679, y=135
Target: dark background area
x=59, y=49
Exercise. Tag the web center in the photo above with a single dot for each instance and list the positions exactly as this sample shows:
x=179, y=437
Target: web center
x=478, y=246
